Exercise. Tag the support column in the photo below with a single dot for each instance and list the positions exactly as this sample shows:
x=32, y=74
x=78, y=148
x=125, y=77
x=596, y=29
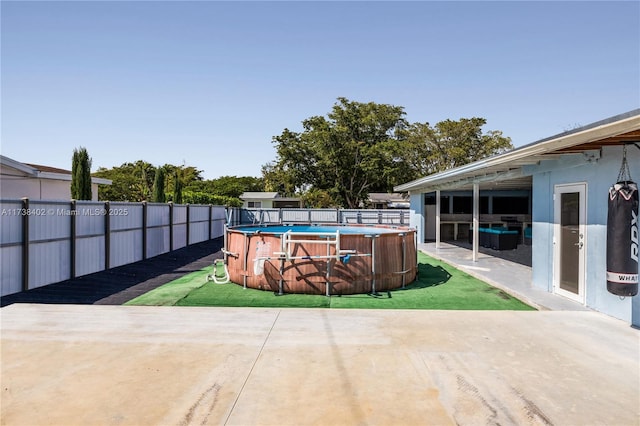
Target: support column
x=476, y=220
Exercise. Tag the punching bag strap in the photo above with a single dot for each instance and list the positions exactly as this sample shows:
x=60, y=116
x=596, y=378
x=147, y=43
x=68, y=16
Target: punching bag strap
x=624, y=175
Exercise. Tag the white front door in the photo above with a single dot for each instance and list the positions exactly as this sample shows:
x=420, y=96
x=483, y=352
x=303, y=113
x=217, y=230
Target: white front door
x=569, y=240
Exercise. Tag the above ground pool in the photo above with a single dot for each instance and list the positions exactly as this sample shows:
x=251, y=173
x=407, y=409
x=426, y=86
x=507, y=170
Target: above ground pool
x=323, y=259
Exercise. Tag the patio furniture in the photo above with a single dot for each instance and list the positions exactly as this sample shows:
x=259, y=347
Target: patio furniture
x=496, y=238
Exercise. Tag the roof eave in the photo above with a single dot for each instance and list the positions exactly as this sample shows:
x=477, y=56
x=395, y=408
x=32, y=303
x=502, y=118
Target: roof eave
x=101, y=181
x=6, y=161
x=545, y=146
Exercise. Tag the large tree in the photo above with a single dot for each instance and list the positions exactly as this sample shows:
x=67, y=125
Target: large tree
x=432, y=149
x=189, y=176
x=81, y=175
x=367, y=147
x=130, y=182
x=134, y=181
x=227, y=186
x=353, y=151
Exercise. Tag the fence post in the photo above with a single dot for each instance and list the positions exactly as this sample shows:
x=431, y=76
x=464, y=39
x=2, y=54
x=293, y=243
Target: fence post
x=170, y=225
x=144, y=230
x=338, y=215
x=72, y=242
x=188, y=223
x=107, y=235
x=210, y=220
x=25, y=244
x=379, y=217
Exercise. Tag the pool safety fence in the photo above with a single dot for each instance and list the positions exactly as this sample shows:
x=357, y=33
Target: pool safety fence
x=240, y=216
x=45, y=242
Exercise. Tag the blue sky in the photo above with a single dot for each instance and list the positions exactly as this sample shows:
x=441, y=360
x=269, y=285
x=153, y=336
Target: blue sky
x=208, y=84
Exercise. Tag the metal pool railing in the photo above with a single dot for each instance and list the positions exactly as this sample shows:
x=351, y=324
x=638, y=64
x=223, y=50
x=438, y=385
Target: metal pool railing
x=269, y=216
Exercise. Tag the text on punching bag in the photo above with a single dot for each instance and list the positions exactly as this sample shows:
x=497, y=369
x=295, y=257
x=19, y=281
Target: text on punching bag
x=634, y=236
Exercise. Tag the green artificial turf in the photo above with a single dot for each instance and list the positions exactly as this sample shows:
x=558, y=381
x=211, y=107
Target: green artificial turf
x=170, y=293
x=438, y=286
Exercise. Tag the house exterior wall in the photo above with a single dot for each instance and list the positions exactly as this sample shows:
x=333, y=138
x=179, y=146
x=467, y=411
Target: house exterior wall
x=417, y=215
x=16, y=185
x=598, y=175
x=264, y=204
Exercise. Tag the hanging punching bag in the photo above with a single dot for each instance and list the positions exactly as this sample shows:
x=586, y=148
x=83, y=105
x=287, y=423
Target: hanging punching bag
x=622, y=235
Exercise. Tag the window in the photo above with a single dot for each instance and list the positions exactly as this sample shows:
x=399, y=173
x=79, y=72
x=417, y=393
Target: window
x=444, y=204
x=462, y=205
x=510, y=205
x=430, y=200
x=254, y=204
x=484, y=205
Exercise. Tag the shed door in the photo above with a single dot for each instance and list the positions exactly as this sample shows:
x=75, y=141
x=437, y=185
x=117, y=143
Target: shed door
x=569, y=240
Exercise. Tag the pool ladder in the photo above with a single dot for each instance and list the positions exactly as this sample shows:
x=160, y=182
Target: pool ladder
x=289, y=239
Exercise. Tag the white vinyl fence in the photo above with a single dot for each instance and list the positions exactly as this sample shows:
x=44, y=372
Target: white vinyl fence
x=44, y=242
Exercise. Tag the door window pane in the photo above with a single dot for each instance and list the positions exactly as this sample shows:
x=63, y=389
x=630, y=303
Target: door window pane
x=569, y=240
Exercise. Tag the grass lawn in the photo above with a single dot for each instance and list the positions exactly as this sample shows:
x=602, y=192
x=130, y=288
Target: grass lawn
x=438, y=286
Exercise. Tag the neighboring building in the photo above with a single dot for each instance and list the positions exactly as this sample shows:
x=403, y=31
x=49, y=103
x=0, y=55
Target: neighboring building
x=568, y=178
x=22, y=180
x=268, y=200
x=384, y=200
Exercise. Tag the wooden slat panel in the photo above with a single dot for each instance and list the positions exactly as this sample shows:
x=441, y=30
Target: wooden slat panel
x=625, y=138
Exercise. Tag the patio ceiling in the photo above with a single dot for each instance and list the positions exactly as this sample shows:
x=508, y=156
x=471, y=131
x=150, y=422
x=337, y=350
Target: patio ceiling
x=505, y=171
x=632, y=137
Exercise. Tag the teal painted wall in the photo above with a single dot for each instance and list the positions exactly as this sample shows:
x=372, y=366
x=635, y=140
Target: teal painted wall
x=598, y=176
x=417, y=212
x=598, y=170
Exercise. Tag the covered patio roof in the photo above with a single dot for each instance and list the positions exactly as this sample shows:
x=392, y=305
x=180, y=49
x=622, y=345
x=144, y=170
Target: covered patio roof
x=507, y=170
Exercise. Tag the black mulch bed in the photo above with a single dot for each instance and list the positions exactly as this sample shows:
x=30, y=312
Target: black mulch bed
x=119, y=285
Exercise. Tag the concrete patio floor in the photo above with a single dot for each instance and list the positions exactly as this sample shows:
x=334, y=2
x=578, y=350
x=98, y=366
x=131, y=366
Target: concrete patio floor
x=507, y=273
x=118, y=365
x=114, y=365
